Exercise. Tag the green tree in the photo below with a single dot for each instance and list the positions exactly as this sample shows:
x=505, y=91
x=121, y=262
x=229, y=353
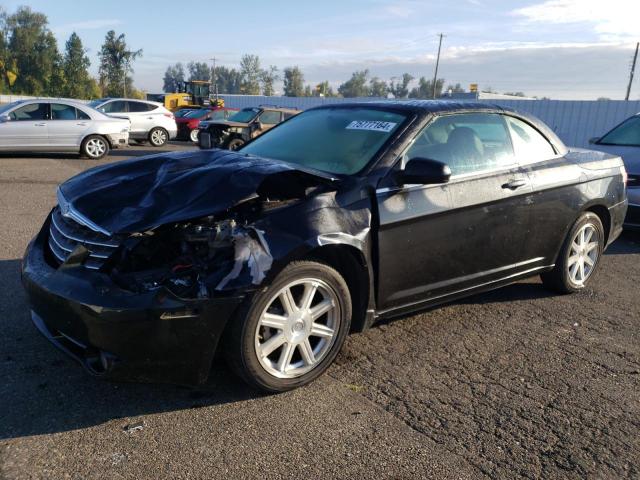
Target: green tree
x=75, y=64
x=457, y=88
x=323, y=89
x=425, y=88
x=173, y=78
x=228, y=80
x=250, y=72
x=401, y=89
x=307, y=91
x=115, y=65
x=199, y=71
x=32, y=53
x=356, y=86
x=268, y=77
x=378, y=87
x=293, y=82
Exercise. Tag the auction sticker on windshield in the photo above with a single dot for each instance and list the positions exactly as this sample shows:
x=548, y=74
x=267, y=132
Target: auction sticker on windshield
x=371, y=125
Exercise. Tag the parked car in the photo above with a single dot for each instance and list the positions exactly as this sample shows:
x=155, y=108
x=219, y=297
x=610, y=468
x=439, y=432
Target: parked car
x=624, y=140
x=245, y=125
x=59, y=126
x=150, y=121
x=189, y=122
x=339, y=217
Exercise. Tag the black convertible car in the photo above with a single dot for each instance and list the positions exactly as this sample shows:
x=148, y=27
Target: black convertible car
x=340, y=216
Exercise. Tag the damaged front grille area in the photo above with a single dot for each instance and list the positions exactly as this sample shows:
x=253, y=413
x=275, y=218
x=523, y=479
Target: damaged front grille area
x=65, y=235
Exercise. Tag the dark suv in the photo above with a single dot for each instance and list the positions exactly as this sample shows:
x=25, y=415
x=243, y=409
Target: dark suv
x=245, y=125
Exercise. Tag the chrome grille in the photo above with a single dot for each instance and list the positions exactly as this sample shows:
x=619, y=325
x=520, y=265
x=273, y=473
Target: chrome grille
x=66, y=234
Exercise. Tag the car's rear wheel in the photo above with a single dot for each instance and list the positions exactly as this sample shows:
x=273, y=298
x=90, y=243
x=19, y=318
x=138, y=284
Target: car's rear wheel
x=94, y=147
x=158, y=137
x=579, y=257
x=288, y=334
x=235, y=144
x=193, y=136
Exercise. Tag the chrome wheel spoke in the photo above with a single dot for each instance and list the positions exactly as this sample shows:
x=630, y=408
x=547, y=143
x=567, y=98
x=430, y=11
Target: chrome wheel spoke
x=591, y=246
x=288, y=303
x=588, y=260
x=285, y=357
x=309, y=293
x=272, y=344
x=321, y=308
x=319, y=330
x=274, y=321
x=308, y=357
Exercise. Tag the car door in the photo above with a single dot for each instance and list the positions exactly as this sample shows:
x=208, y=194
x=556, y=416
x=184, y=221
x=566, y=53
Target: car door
x=120, y=109
x=553, y=180
x=142, y=118
x=435, y=240
x=68, y=126
x=27, y=128
x=267, y=120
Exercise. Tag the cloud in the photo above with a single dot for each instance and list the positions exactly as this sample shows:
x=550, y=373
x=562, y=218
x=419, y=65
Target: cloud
x=87, y=25
x=611, y=20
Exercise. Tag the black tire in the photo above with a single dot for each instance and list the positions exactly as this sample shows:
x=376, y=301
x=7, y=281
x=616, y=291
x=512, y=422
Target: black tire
x=94, y=147
x=235, y=144
x=158, y=137
x=244, y=333
x=560, y=278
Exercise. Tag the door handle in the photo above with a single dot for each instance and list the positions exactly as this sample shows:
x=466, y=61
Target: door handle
x=514, y=184
x=40, y=124
x=82, y=124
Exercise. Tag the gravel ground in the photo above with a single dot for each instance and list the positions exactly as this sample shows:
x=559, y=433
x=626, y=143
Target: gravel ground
x=516, y=383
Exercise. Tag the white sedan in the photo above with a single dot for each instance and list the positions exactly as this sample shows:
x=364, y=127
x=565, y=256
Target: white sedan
x=60, y=126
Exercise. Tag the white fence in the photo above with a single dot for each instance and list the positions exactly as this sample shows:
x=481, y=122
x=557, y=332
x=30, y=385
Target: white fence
x=575, y=122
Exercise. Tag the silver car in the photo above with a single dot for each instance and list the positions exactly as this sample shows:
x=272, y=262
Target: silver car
x=60, y=126
x=624, y=140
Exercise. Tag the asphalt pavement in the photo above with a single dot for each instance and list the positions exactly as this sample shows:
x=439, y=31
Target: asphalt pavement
x=516, y=383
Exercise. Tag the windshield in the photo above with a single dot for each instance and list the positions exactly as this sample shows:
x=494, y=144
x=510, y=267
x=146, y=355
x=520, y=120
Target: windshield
x=197, y=113
x=245, y=115
x=340, y=140
x=625, y=134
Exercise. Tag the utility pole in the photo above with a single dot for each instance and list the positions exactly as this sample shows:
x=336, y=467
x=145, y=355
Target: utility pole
x=435, y=75
x=633, y=69
x=214, y=78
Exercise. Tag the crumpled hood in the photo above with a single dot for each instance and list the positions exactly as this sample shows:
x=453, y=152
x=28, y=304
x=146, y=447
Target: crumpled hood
x=141, y=194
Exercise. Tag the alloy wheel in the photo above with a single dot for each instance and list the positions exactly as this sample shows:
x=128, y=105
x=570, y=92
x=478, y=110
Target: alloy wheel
x=194, y=135
x=96, y=147
x=159, y=137
x=297, y=328
x=583, y=254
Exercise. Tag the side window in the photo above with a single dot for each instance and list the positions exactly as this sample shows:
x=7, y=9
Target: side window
x=33, y=111
x=82, y=115
x=529, y=144
x=114, y=107
x=270, y=117
x=60, y=111
x=139, y=107
x=219, y=115
x=467, y=143
x=287, y=115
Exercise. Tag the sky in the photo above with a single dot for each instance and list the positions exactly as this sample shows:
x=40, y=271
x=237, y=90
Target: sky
x=563, y=49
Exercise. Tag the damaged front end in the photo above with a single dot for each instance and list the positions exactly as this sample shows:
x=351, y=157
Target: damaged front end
x=146, y=295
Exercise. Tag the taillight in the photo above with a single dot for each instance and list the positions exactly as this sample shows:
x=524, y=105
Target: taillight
x=625, y=176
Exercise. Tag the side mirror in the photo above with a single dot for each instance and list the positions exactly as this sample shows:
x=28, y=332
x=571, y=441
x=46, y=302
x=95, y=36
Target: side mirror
x=424, y=171
x=593, y=140
x=259, y=125
x=5, y=118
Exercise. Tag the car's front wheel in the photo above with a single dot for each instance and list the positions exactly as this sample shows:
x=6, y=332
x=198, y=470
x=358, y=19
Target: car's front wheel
x=94, y=147
x=579, y=256
x=158, y=137
x=236, y=143
x=288, y=334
